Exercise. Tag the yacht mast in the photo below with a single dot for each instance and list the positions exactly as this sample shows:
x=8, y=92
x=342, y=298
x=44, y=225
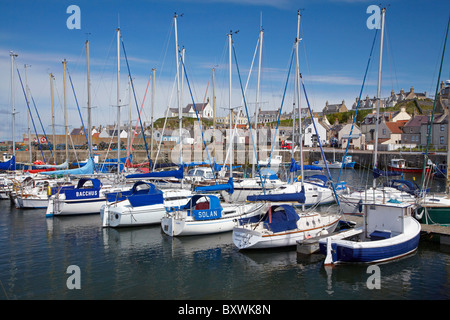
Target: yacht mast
x=153, y=109
x=89, y=130
x=297, y=89
x=53, y=118
x=261, y=35
x=65, y=110
x=118, y=100
x=229, y=103
x=13, y=107
x=180, y=115
x=383, y=10
x=28, y=113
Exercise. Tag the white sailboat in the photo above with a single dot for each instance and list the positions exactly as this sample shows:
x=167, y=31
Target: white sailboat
x=205, y=214
x=143, y=204
x=283, y=225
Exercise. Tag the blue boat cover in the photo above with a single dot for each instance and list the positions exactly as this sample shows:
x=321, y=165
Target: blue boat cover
x=9, y=164
x=229, y=186
x=280, y=197
x=145, y=196
x=86, y=169
x=404, y=185
x=137, y=195
x=178, y=174
x=282, y=218
x=218, y=167
x=82, y=193
x=295, y=167
x=381, y=173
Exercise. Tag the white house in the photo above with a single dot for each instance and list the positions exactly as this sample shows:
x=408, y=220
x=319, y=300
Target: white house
x=310, y=135
x=203, y=110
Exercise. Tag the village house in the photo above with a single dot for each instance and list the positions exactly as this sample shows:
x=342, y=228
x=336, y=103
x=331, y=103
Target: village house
x=334, y=108
x=203, y=110
x=357, y=139
x=368, y=103
x=439, y=131
x=412, y=130
x=310, y=136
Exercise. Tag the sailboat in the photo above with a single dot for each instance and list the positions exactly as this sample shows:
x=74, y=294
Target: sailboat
x=389, y=230
x=205, y=213
x=143, y=204
x=282, y=224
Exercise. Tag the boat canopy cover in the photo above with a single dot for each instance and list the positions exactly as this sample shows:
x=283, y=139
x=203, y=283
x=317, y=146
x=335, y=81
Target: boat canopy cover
x=218, y=167
x=178, y=174
x=295, y=167
x=82, y=193
x=207, y=209
x=281, y=218
x=96, y=183
x=229, y=187
x=404, y=185
x=144, y=194
x=280, y=197
x=9, y=164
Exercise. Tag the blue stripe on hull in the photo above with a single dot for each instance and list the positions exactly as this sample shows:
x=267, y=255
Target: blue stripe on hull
x=370, y=255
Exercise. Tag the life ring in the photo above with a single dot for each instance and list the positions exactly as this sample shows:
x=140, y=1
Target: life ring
x=416, y=213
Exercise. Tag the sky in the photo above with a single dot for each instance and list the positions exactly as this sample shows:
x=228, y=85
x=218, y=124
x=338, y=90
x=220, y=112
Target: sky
x=333, y=54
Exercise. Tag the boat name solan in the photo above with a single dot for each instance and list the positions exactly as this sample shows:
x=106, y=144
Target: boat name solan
x=208, y=214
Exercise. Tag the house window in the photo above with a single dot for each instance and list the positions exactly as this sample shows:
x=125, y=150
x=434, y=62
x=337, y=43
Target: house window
x=384, y=131
x=442, y=126
x=441, y=140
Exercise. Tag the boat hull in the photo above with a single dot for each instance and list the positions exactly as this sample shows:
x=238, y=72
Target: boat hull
x=178, y=224
x=61, y=207
x=128, y=216
x=436, y=215
x=246, y=238
x=375, y=251
x=408, y=169
x=31, y=203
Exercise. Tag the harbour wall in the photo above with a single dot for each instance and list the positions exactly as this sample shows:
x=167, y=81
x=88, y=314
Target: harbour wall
x=242, y=156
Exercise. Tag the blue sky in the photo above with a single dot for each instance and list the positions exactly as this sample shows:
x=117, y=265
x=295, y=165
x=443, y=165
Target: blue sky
x=333, y=53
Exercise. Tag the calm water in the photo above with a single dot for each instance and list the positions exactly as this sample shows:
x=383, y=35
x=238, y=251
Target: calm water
x=143, y=263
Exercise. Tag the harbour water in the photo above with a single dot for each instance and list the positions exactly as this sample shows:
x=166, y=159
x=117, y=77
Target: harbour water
x=144, y=263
